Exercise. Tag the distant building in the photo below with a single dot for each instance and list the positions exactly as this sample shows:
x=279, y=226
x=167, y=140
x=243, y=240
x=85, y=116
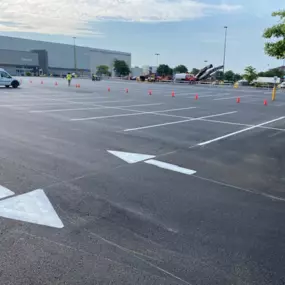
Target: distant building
x=147, y=69
x=136, y=71
x=18, y=56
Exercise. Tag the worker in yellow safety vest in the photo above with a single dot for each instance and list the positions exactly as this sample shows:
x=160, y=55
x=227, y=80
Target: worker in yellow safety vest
x=69, y=77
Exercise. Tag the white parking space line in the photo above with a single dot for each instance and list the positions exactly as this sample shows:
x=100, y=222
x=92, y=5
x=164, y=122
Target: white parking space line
x=239, y=132
x=227, y=98
x=183, y=94
x=92, y=108
x=92, y=103
x=178, y=122
x=215, y=95
x=131, y=114
x=243, y=125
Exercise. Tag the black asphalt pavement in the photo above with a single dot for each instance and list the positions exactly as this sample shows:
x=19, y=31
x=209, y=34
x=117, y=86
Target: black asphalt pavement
x=140, y=223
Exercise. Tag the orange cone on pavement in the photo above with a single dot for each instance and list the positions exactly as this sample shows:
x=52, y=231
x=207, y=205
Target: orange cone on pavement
x=173, y=94
x=265, y=103
x=196, y=97
x=238, y=99
x=127, y=90
x=149, y=92
x=109, y=89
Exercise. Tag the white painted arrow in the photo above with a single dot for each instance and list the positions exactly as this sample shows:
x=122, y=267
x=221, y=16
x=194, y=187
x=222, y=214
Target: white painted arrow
x=130, y=157
x=33, y=207
x=5, y=192
x=170, y=166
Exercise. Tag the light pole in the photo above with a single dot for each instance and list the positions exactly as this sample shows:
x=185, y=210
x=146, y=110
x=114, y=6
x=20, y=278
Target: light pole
x=75, y=60
x=225, y=48
x=157, y=56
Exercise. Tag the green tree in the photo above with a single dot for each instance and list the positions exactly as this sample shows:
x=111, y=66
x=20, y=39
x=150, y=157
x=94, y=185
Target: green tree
x=102, y=70
x=273, y=72
x=180, y=69
x=229, y=76
x=219, y=75
x=121, y=67
x=261, y=74
x=277, y=33
x=164, y=70
x=250, y=74
x=237, y=77
x=194, y=71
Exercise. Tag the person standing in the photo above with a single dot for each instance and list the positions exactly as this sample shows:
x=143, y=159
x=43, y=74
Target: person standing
x=69, y=77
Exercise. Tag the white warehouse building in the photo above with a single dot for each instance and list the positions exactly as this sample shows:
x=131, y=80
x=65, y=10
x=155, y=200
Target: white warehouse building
x=19, y=56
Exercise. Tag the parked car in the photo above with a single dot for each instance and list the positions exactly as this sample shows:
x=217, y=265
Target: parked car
x=7, y=80
x=282, y=85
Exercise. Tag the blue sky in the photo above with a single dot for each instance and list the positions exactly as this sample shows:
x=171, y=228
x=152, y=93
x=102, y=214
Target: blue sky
x=182, y=31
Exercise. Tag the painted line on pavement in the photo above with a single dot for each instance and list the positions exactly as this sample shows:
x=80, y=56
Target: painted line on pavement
x=238, y=132
x=91, y=108
x=178, y=122
x=227, y=98
x=243, y=125
x=126, y=115
x=92, y=103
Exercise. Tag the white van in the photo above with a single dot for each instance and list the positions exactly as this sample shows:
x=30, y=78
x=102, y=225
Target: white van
x=7, y=80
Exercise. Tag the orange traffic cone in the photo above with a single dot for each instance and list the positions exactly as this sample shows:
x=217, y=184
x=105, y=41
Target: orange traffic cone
x=196, y=97
x=265, y=103
x=238, y=100
x=149, y=92
x=172, y=94
x=127, y=90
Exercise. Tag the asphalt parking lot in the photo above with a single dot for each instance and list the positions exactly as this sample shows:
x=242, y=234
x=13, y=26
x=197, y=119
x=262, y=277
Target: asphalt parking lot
x=123, y=187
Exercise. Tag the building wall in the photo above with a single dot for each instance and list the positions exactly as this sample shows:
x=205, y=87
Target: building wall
x=136, y=71
x=149, y=69
x=107, y=58
x=11, y=57
x=62, y=55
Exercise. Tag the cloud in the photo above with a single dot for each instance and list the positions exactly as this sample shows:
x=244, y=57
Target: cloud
x=74, y=17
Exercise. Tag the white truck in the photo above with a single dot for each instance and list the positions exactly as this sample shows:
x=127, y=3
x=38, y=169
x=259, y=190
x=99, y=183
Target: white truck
x=7, y=80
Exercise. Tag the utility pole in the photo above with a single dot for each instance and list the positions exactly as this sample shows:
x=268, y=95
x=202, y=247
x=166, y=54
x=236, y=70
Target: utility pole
x=157, y=57
x=75, y=60
x=225, y=48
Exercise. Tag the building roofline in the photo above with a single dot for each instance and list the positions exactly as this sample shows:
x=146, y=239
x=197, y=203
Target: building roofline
x=12, y=50
x=70, y=45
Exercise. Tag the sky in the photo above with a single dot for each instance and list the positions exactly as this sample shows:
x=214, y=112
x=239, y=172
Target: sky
x=187, y=32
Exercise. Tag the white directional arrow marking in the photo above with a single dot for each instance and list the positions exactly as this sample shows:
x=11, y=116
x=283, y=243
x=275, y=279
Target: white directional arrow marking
x=5, y=192
x=169, y=166
x=130, y=157
x=33, y=207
